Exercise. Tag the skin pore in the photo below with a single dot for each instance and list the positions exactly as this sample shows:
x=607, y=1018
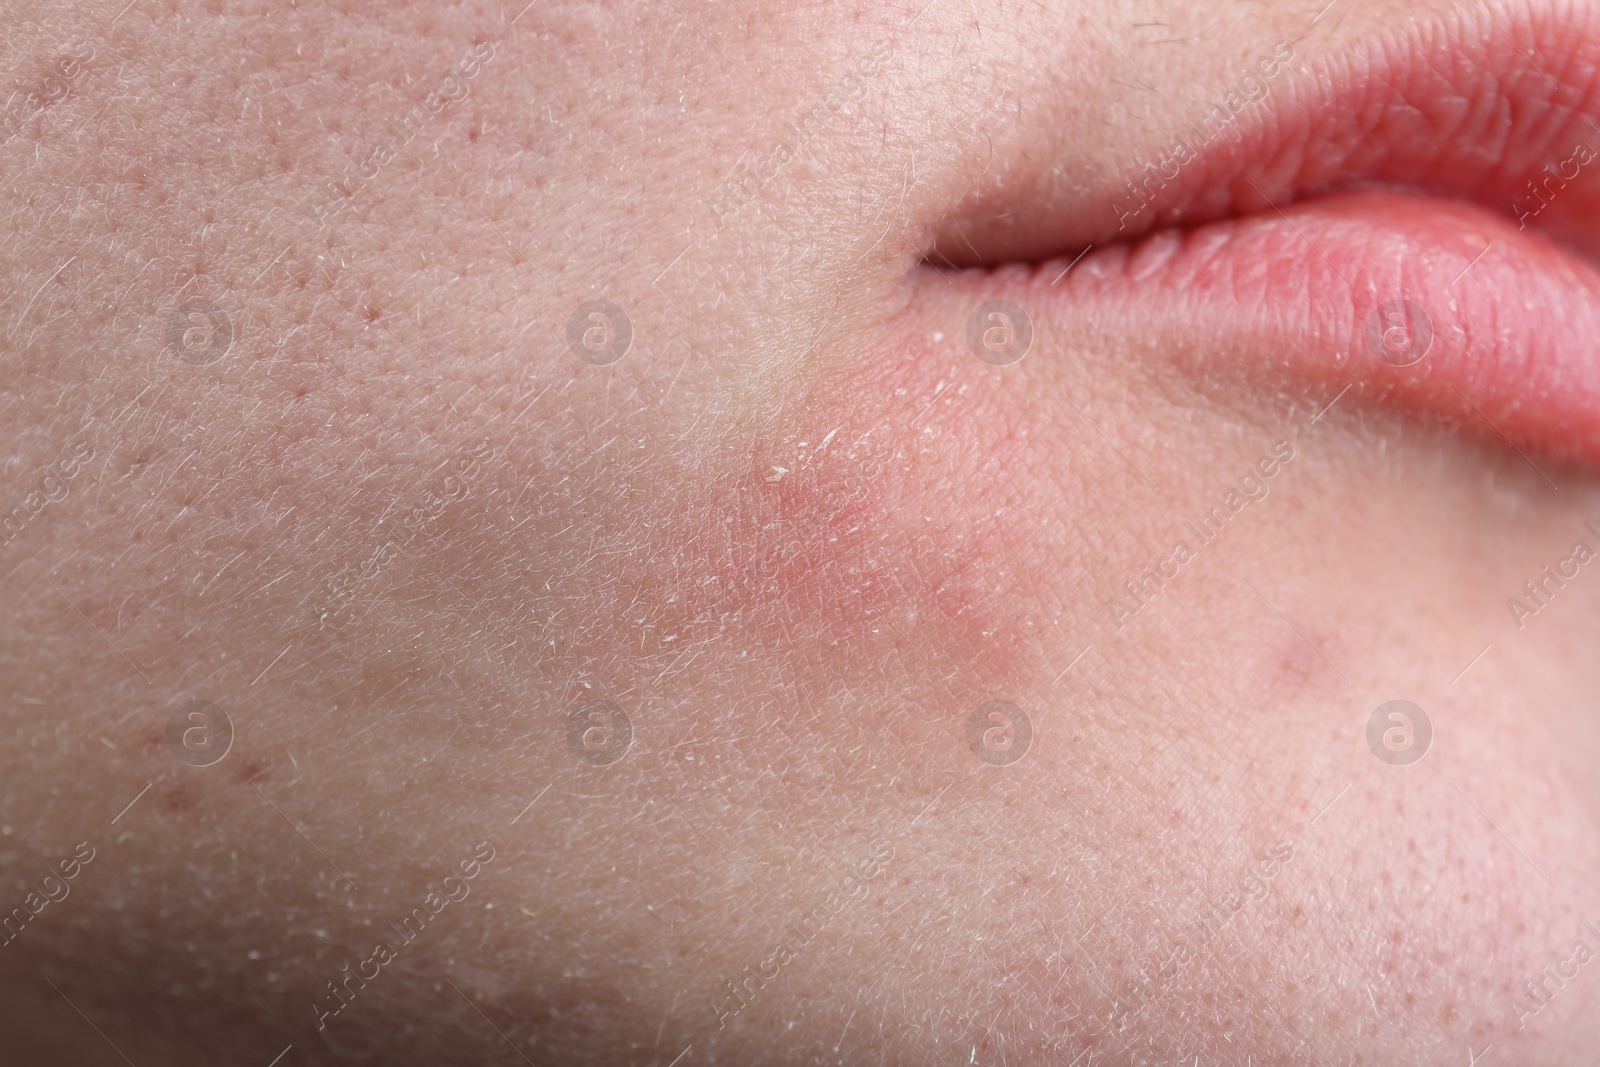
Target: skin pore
x=315, y=455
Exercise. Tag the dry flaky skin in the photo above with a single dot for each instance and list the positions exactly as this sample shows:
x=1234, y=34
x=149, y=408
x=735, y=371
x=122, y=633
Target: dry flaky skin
x=399, y=534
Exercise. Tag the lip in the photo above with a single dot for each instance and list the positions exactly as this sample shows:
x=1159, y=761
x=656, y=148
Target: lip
x=1316, y=292
x=1385, y=179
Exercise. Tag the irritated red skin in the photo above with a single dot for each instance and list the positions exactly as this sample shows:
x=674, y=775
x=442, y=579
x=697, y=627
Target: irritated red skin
x=838, y=534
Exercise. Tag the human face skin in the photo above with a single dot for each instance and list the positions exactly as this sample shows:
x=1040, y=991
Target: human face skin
x=377, y=511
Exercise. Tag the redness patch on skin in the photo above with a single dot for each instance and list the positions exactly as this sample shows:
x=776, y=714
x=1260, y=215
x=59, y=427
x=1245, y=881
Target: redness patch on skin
x=181, y=788
x=249, y=772
x=1300, y=663
x=872, y=529
x=178, y=799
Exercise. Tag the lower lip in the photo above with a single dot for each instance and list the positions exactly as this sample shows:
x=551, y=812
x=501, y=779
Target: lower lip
x=1345, y=290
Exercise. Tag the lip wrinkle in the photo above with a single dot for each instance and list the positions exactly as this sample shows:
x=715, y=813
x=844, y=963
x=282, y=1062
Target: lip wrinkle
x=1269, y=297
x=1465, y=105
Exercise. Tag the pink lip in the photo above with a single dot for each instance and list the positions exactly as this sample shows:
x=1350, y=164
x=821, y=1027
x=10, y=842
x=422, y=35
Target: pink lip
x=1286, y=272
x=1513, y=329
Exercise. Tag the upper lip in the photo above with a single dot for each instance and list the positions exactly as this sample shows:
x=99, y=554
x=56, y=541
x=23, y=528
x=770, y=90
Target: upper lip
x=1469, y=105
x=1399, y=172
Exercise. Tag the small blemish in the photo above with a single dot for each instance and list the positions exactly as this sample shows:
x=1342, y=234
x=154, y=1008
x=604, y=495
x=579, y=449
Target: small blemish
x=178, y=800
x=249, y=772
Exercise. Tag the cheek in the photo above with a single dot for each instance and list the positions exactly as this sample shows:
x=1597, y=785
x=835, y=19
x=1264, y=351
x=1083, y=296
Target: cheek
x=868, y=528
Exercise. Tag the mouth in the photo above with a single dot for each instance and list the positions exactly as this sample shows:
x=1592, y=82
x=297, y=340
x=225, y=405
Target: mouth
x=1416, y=217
